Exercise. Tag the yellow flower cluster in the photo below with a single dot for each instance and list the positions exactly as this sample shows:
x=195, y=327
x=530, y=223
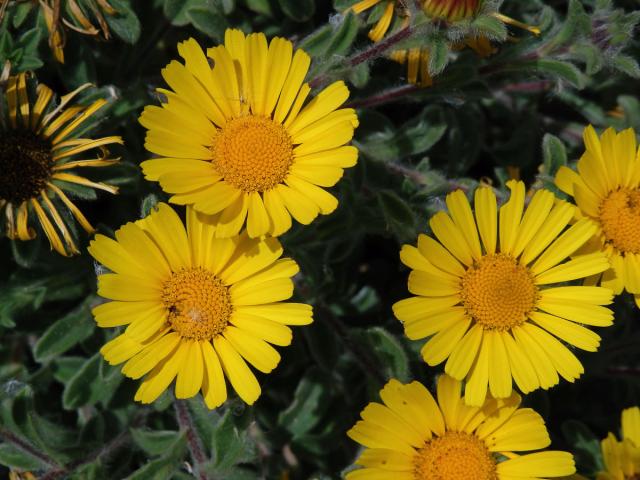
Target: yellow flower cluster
x=500, y=292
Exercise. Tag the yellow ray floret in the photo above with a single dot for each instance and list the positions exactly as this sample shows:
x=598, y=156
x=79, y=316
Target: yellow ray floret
x=197, y=308
x=240, y=142
x=410, y=436
x=485, y=294
x=40, y=149
x=622, y=457
x=606, y=189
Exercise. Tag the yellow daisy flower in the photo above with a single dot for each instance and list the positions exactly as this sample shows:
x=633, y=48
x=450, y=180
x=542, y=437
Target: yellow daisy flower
x=485, y=295
x=196, y=307
x=382, y=26
x=606, y=188
x=411, y=437
x=622, y=458
x=39, y=146
x=237, y=142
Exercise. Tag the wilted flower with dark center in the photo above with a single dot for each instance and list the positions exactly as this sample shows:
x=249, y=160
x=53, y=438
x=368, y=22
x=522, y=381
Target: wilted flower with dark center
x=451, y=10
x=78, y=15
x=38, y=141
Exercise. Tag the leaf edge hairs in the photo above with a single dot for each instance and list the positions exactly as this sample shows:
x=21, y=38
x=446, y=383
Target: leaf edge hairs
x=190, y=298
x=231, y=113
x=41, y=141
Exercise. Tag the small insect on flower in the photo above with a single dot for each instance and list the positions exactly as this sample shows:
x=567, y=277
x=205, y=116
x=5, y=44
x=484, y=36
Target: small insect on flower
x=239, y=141
x=485, y=292
x=38, y=150
x=411, y=437
x=197, y=308
x=606, y=189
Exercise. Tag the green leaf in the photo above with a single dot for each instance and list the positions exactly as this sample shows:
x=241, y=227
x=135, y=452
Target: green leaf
x=66, y=332
x=576, y=23
x=323, y=344
x=490, y=27
x=398, y=215
x=554, y=154
x=317, y=43
x=585, y=446
x=177, y=10
x=590, y=55
x=159, y=469
x=66, y=367
x=20, y=13
x=262, y=7
x=230, y=445
x=627, y=65
x=390, y=353
x=298, y=10
x=12, y=456
x=560, y=70
x=162, y=468
x=154, y=442
x=344, y=35
x=228, y=6
x=438, y=56
x=359, y=75
x=30, y=39
x=125, y=23
x=26, y=253
x=88, y=386
x=309, y=404
x=209, y=21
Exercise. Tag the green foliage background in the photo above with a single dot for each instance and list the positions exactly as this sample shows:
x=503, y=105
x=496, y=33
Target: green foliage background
x=64, y=413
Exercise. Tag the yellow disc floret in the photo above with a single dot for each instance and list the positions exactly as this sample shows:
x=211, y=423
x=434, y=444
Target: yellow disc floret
x=620, y=219
x=199, y=304
x=455, y=456
x=253, y=153
x=498, y=292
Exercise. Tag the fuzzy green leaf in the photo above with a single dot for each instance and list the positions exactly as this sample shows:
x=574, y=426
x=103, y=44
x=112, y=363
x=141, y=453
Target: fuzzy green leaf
x=65, y=333
x=298, y=10
x=554, y=154
x=627, y=65
x=490, y=27
x=125, y=23
x=209, y=21
x=309, y=404
x=154, y=442
x=11, y=456
x=87, y=386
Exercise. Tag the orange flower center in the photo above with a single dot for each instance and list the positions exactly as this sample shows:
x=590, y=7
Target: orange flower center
x=498, y=292
x=253, y=153
x=25, y=165
x=620, y=219
x=198, y=302
x=454, y=456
